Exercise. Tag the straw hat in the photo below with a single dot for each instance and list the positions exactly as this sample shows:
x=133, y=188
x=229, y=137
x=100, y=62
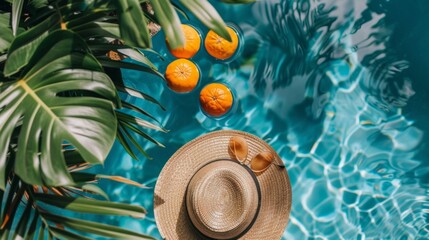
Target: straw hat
x=202, y=193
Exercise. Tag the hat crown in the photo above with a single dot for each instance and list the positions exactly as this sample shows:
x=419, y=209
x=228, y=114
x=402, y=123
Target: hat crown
x=171, y=210
x=222, y=199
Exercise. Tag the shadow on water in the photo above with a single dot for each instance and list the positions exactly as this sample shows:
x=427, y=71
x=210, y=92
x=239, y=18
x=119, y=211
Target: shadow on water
x=350, y=70
x=338, y=88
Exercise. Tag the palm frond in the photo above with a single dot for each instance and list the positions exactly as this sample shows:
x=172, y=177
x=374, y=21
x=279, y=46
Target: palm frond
x=45, y=208
x=134, y=30
x=60, y=109
x=39, y=207
x=6, y=36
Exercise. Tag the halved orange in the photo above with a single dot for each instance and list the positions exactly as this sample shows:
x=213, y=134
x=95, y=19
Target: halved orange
x=216, y=99
x=192, y=43
x=219, y=47
x=182, y=75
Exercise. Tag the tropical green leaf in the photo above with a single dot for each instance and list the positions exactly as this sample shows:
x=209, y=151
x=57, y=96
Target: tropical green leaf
x=41, y=9
x=169, y=21
x=11, y=207
x=149, y=50
x=121, y=180
x=16, y=14
x=60, y=64
x=64, y=234
x=106, y=62
x=1, y=205
x=4, y=175
x=31, y=232
x=38, y=3
x=2, y=59
x=133, y=141
x=95, y=228
x=148, y=11
x=104, y=46
x=24, y=45
x=208, y=15
x=136, y=55
x=94, y=189
x=97, y=3
x=81, y=177
x=6, y=36
x=126, y=50
x=139, y=110
x=73, y=157
x=42, y=230
x=86, y=17
x=39, y=15
x=85, y=205
x=140, y=132
x=88, y=177
x=180, y=10
x=8, y=204
x=123, y=141
x=4, y=234
x=59, y=113
x=23, y=221
x=138, y=121
x=139, y=94
x=97, y=29
x=134, y=30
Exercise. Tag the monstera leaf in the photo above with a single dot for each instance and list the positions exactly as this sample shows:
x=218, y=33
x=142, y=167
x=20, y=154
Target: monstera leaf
x=6, y=36
x=37, y=107
x=60, y=113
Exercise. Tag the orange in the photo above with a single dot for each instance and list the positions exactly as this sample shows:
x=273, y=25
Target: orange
x=182, y=75
x=216, y=99
x=192, y=43
x=219, y=47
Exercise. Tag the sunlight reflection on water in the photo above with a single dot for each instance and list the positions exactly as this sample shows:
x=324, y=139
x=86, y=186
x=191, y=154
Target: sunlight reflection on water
x=320, y=81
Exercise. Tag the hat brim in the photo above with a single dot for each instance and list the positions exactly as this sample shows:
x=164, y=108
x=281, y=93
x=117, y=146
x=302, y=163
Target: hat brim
x=169, y=198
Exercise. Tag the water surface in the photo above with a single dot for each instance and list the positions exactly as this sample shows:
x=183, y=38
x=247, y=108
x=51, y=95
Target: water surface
x=338, y=88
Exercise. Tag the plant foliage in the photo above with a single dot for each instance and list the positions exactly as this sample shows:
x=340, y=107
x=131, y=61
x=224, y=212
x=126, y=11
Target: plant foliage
x=60, y=110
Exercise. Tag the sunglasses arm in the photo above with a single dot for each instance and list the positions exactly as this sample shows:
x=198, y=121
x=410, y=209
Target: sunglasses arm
x=279, y=165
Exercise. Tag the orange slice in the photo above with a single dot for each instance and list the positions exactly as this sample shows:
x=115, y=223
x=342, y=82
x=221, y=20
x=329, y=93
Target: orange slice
x=216, y=99
x=220, y=48
x=192, y=43
x=182, y=75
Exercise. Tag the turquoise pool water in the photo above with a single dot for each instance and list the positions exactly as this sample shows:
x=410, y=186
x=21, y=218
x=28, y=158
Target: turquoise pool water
x=338, y=88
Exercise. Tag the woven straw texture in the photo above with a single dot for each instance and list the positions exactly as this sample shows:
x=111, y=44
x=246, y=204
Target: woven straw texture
x=170, y=192
x=222, y=199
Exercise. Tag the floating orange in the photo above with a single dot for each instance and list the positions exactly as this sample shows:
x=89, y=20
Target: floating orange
x=192, y=43
x=219, y=47
x=216, y=99
x=182, y=75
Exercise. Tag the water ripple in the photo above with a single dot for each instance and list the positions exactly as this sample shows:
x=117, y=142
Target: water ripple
x=320, y=81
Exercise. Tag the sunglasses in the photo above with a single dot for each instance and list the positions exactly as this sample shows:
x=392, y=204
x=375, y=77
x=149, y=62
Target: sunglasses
x=239, y=150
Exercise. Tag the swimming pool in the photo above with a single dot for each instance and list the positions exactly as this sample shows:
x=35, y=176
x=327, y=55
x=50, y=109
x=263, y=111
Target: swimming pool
x=338, y=88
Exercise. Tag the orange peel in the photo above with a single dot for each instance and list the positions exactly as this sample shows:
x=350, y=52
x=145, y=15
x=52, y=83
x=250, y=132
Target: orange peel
x=219, y=47
x=216, y=99
x=182, y=75
x=192, y=43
